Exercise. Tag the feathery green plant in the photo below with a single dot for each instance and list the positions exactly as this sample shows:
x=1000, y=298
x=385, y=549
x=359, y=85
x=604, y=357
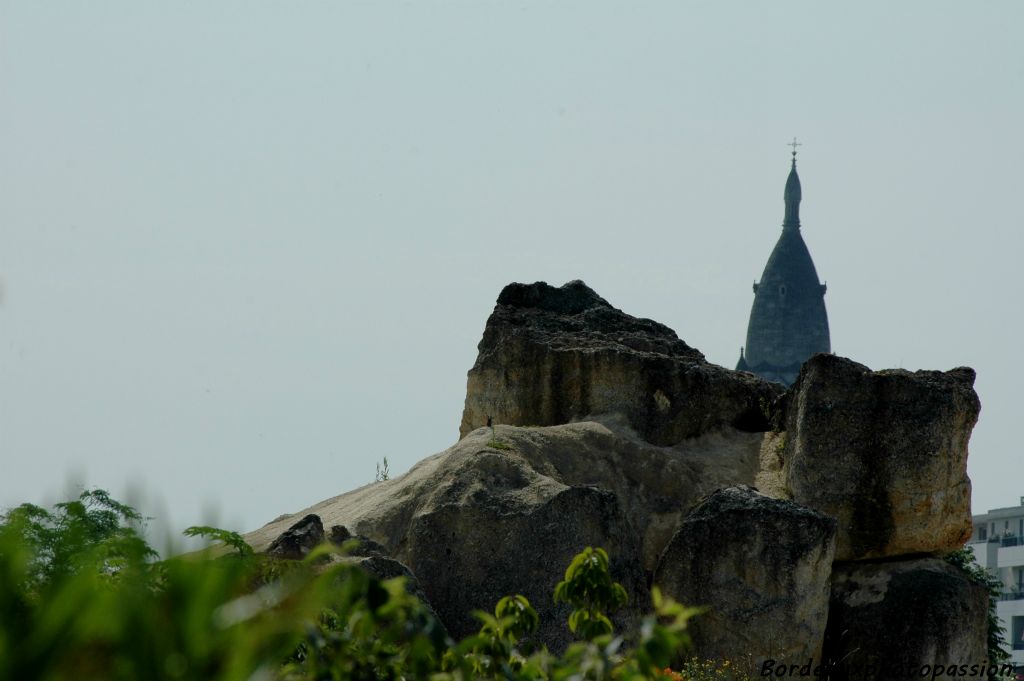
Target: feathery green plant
x=84, y=597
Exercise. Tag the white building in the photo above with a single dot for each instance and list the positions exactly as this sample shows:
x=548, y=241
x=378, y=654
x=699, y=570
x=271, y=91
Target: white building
x=998, y=545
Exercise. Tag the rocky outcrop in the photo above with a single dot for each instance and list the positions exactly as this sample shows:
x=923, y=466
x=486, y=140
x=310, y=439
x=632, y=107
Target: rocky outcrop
x=298, y=540
x=761, y=566
x=609, y=429
x=883, y=452
x=889, y=620
x=554, y=355
x=504, y=511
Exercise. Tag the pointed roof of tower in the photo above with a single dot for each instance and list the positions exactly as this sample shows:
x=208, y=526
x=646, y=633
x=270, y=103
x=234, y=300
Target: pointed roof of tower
x=792, y=195
x=788, y=321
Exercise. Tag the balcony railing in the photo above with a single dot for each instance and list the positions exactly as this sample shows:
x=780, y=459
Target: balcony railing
x=1007, y=541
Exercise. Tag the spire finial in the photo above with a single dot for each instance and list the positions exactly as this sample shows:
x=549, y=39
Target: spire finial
x=792, y=194
x=794, y=144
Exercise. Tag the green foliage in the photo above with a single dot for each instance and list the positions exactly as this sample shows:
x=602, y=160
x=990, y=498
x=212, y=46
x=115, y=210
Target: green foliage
x=225, y=537
x=696, y=669
x=589, y=588
x=75, y=535
x=365, y=629
x=82, y=596
x=70, y=609
x=493, y=651
x=964, y=559
x=516, y=616
x=660, y=642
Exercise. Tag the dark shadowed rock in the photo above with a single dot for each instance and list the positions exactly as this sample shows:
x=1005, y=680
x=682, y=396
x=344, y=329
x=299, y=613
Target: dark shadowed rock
x=572, y=298
x=761, y=566
x=339, y=534
x=554, y=355
x=372, y=558
x=889, y=619
x=473, y=553
x=365, y=546
x=299, y=539
x=884, y=452
x=385, y=568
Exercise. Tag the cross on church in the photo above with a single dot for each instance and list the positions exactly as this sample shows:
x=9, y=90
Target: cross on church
x=794, y=144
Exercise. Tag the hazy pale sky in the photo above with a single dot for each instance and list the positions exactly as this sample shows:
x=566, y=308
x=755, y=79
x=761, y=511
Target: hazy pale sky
x=247, y=249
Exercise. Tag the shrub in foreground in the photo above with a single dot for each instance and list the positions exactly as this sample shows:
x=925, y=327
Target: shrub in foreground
x=83, y=596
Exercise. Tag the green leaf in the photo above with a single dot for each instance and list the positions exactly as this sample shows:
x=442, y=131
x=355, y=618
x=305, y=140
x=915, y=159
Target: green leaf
x=226, y=537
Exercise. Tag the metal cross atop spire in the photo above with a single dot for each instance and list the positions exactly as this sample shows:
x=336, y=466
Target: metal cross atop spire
x=794, y=144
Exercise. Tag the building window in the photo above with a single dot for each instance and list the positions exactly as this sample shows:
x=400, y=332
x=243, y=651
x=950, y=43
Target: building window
x=982, y=534
x=1017, y=633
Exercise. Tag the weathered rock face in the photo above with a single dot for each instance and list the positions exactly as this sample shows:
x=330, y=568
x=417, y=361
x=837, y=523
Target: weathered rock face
x=473, y=553
x=299, y=539
x=889, y=619
x=504, y=512
x=883, y=452
x=612, y=430
x=554, y=355
x=762, y=567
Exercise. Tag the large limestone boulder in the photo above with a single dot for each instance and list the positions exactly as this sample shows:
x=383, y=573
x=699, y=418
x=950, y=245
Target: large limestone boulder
x=554, y=355
x=503, y=511
x=761, y=566
x=511, y=539
x=890, y=620
x=883, y=452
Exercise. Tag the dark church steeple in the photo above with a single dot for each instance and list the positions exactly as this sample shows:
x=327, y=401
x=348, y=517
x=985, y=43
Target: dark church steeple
x=788, y=322
x=792, y=198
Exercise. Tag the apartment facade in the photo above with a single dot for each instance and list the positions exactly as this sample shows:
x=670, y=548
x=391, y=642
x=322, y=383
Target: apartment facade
x=998, y=545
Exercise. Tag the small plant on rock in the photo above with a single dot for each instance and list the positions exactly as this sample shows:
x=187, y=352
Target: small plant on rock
x=496, y=443
x=383, y=473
